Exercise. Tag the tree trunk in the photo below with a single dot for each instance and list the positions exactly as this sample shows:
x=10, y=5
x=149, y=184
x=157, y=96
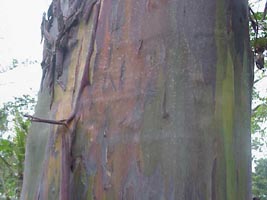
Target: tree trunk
x=147, y=99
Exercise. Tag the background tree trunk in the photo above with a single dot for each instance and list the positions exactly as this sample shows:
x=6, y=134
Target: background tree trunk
x=156, y=100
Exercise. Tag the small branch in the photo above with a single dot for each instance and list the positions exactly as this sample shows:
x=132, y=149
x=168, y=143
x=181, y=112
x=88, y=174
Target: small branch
x=9, y=166
x=254, y=22
x=47, y=121
x=256, y=81
x=257, y=107
x=6, y=163
x=265, y=11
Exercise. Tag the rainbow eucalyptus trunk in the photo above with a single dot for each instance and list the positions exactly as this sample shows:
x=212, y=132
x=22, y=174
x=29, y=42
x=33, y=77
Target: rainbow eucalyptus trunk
x=142, y=99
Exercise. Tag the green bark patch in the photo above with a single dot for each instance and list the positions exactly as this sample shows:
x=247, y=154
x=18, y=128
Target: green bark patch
x=225, y=100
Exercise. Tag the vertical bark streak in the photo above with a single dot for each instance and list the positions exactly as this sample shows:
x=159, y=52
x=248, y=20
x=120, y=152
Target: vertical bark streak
x=122, y=74
x=52, y=79
x=77, y=69
x=88, y=10
x=85, y=81
x=165, y=114
x=65, y=168
x=214, y=180
x=112, y=83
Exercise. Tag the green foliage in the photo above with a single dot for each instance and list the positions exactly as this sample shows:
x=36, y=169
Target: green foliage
x=259, y=177
x=3, y=121
x=258, y=38
x=13, y=131
x=258, y=34
x=260, y=42
x=258, y=120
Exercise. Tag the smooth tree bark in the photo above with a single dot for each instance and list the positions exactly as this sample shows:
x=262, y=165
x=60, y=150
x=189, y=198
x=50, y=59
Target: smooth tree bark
x=142, y=99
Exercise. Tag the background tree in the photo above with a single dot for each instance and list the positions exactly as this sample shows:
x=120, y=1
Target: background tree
x=258, y=35
x=13, y=131
x=259, y=179
x=142, y=100
x=258, y=121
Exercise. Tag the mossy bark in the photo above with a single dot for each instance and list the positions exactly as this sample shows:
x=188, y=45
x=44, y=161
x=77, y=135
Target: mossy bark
x=156, y=97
